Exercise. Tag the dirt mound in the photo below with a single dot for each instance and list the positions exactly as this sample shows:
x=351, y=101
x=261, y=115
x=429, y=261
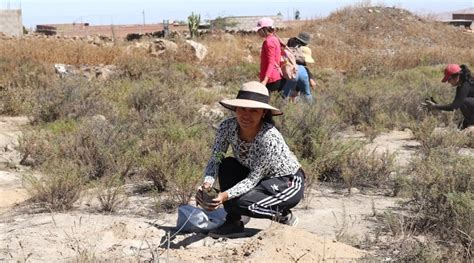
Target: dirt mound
x=392, y=25
x=370, y=18
x=280, y=243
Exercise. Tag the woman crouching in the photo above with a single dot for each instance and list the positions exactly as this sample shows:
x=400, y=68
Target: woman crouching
x=264, y=178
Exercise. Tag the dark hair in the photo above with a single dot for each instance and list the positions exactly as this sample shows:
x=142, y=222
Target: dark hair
x=268, y=30
x=465, y=74
x=268, y=118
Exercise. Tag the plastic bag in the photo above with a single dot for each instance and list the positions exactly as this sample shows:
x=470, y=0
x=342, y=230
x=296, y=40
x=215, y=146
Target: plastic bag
x=195, y=219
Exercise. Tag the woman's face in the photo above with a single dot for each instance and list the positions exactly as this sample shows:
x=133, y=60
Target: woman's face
x=454, y=80
x=261, y=32
x=249, y=118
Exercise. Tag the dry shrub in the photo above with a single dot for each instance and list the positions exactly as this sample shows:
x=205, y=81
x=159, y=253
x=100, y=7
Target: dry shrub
x=432, y=139
x=441, y=196
x=20, y=80
x=368, y=169
x=58, y=187
x=310, y=133
x=71, y=98
x=179, y=168
x=111, y=193
x=99, y=147
x=60, y=51
x=135, y=67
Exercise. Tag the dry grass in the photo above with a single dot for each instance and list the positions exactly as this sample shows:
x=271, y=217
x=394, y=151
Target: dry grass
x=373, y=70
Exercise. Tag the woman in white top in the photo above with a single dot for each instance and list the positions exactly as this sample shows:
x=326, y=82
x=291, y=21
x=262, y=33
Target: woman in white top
x=263, y=179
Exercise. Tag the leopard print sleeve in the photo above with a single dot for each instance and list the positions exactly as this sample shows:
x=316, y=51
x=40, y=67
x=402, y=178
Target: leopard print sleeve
x=221, y=144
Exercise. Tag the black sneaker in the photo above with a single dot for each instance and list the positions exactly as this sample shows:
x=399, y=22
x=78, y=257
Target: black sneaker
x=229, y=229
x=290, y=219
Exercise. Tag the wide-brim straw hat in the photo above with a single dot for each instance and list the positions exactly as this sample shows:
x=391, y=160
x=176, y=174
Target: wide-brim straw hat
x=254, y=95
x=306, y=52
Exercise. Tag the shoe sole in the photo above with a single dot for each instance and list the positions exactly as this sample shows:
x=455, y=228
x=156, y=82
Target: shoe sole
x=295, y=222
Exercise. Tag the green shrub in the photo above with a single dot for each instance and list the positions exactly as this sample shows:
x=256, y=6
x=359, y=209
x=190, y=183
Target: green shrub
x=442, y=196
x=58, y=187
x=20, y=80
x=368, y=169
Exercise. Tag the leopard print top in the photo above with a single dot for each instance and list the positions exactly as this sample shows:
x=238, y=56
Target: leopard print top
x=266, y=156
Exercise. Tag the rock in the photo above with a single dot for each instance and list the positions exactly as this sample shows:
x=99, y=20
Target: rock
x=212, y=113
x=200, y=51
x=63, y=69
x=354, y=191
x=99, y=118
x=161, y=45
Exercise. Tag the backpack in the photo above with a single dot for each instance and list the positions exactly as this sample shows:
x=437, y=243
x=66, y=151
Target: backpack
x=288, y=68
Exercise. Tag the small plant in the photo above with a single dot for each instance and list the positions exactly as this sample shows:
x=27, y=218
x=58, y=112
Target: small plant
x=368, y=169
x=111, y=193
x=59, y=187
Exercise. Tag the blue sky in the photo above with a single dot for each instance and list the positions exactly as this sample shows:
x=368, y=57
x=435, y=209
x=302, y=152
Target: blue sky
x=134, y=11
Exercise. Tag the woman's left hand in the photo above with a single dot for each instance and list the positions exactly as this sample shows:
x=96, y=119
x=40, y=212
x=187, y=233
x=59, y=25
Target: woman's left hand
x=219, y=200
x=429, y=104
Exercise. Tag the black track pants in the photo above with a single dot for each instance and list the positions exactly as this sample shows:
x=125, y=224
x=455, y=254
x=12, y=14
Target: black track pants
x=270, y=198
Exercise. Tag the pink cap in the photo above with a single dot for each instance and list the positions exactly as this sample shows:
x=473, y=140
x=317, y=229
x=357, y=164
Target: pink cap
x=264, y=22
x=450, y=70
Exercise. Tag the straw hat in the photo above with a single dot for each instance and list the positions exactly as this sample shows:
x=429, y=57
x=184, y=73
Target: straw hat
x=306, y=53
x=252, y=94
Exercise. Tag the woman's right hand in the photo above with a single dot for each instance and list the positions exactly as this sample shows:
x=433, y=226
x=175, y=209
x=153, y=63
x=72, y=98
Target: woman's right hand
x=198, y=195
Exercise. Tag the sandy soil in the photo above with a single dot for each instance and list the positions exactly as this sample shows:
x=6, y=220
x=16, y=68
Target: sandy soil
x=138, y=232
x=11, y=190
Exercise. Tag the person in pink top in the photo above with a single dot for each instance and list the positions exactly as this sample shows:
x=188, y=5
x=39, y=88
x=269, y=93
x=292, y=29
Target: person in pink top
x=270, y=55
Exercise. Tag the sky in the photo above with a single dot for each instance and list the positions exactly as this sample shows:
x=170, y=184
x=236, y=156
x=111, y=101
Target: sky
x=106, y=12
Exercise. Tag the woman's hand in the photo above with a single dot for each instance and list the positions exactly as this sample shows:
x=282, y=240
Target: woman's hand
x=219, y=200
x=429, y=104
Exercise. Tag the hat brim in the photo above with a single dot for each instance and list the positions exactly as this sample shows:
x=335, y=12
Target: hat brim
x=308, y=60
x=446, y=77
x=302, y=41
x=233, y=103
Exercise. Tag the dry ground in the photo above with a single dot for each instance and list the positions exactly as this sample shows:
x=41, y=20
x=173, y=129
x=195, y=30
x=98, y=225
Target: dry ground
x=137, y=232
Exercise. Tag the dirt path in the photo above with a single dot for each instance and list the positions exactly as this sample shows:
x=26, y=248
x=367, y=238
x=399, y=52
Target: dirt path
x=136, y=232
x=11, y=190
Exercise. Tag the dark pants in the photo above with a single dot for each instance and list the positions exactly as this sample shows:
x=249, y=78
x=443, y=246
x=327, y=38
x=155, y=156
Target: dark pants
x=467, y=110
x=274, y=86
x=270, y=198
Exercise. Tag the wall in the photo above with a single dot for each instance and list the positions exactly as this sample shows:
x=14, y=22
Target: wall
x=243, y=23
x=464, y=16
x=11, y=23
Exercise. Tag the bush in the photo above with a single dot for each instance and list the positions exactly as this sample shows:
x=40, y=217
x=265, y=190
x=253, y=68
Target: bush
x=58, y=187
x=311, y=133
x=111, y=193
x=441, y=195
x=368, y=169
